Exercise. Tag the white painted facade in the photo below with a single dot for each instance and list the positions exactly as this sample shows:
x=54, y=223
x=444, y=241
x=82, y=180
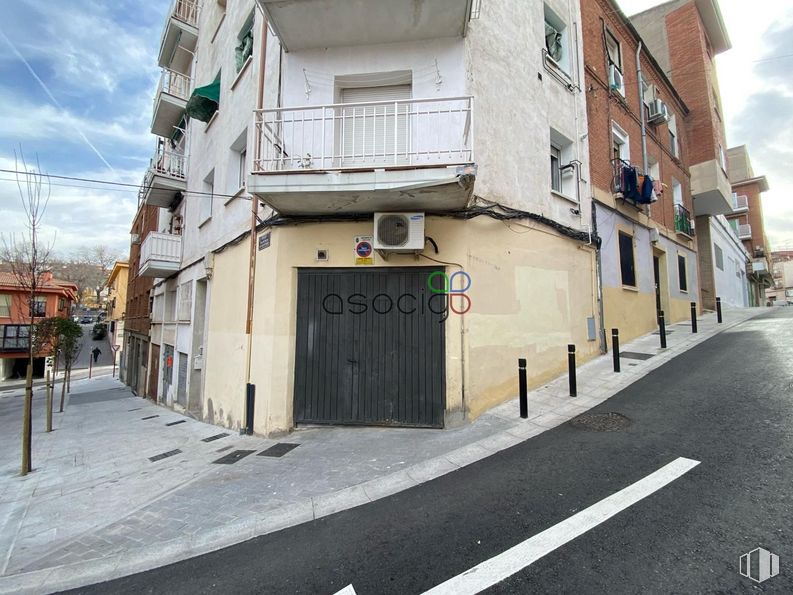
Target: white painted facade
x=729, y=263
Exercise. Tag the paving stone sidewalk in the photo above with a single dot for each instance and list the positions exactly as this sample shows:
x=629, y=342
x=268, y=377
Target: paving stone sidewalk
x=98, y=506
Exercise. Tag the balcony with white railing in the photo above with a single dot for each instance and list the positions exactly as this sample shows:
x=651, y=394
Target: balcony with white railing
x=334, y=23
x=160, y=255
x=165, y=178
x=179, y=35
x=365, y=156
x=170, y=102
x=740, y=203
x=744, y=231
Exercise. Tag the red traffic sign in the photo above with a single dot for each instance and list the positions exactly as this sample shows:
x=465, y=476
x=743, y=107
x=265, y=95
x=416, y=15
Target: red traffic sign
x=363, y=249
x=115, y=347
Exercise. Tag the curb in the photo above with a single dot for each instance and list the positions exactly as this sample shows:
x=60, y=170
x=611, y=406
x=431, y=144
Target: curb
x=137, y=560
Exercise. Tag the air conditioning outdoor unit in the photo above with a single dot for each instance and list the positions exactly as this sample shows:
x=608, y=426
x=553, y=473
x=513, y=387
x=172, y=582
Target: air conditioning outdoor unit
x=399, y=232
x=616, y=81
x=654, y=235
x=659, y=112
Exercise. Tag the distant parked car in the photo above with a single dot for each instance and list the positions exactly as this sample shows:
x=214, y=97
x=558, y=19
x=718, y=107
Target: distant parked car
x=86, y=320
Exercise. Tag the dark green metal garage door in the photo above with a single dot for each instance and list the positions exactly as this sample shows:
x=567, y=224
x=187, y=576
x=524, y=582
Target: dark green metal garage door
x=370, y=347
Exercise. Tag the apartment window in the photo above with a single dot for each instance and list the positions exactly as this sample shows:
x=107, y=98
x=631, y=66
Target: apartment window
x=556, y=40
x=38, y=308
x=242, y=167
x=15, y=337
x=722, y=158
x=627, y=264
x=719, y=255
x=244, y=48
x=682, y=276
x=614, y=51
x=62, y=303
x=673, y=146
x=563, y=179
x=620, y=143
x=170, y=305
x=677, y=192
x=206, y=199
x=185, y=301
x=5, y=305
x=238, y=164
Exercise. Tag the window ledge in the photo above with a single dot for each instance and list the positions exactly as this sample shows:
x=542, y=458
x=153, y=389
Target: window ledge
x=241, y=72
x=630, y=288
x=212, y=120
x=205, y=221
x=235, y=196
x=564, y=196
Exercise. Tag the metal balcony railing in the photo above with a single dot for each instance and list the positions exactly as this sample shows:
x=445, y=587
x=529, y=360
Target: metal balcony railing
x=186, y=11
x=168, y=162
x=740, y=202
x=162, y=247
x=365, y=135
x=174, y=83
x=744, y=231
x=683, y=220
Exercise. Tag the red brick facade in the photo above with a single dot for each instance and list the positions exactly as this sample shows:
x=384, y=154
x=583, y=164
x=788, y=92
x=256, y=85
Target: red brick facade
x=139, y=288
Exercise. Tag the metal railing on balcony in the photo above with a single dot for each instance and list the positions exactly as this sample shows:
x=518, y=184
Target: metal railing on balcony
x=744, y=231
x=186, y=11
x=166, y=162
x=365, y=135
x=740, y=202
x=174, y=83
x=683, y=220
x=163, y=247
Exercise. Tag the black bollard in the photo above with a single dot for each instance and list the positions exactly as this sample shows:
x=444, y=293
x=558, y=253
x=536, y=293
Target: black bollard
x=524, y=398
x=662, y=328
x=693, y=317
x=250, y=399
x=571, y=370
x=615, y=348
x=718, y=310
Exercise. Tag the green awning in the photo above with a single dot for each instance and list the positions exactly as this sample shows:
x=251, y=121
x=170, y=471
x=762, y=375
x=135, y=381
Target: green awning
x=203, y=103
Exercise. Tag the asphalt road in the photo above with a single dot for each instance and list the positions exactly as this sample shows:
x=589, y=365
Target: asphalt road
x=727, y=403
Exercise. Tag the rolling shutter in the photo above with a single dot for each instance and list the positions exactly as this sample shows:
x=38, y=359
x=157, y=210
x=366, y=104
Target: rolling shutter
x=368, y=132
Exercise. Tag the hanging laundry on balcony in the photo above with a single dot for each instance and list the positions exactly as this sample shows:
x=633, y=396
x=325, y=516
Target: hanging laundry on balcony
x=204, y=101
x=630, y=183
x=647, y=193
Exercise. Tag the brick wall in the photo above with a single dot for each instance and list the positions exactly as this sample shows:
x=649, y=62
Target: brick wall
x=139, y=288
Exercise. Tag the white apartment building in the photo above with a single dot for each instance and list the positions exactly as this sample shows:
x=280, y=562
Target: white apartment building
x=419, y=177
x=730, y=260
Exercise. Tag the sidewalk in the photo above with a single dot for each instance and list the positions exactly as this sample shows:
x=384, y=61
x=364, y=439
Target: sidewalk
x=123, y=485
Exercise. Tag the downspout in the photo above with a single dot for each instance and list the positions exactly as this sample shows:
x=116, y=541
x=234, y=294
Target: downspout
x=599, y=276
x=254, y=212
x=645, y=164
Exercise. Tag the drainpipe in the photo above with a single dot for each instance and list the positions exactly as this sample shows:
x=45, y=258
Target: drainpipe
x=641, y=111
x=599, y=276
x=254, y=212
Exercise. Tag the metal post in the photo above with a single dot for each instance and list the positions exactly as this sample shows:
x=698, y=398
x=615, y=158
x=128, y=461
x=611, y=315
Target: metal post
x=114, y=363
x=524, y=398
x=718, y=310
x=615, y=348
x=662, y=328
x=250, y=398
x=693, y=317
x=49, y=403
x=571, y=370
x=90, y=364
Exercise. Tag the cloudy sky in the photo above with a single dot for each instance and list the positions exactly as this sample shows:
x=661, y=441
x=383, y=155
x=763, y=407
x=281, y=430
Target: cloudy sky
x=78, y=77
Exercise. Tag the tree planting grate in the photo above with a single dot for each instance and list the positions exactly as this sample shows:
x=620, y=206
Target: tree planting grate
x=136, y=409
x=635, y=355
x=150, y=417
x=225, y=448
x=601, y=422
x=215, y=437
x=164, y=455
x=174, y=423
x=278, y=450
x=233, y=457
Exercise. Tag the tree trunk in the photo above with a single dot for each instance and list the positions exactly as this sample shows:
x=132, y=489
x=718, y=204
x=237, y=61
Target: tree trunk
x=49, y=403
x=69, y=378
x=27, y=423
x=63, y=386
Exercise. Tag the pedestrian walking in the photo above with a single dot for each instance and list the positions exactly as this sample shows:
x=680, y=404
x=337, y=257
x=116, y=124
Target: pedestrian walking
x=96, y=353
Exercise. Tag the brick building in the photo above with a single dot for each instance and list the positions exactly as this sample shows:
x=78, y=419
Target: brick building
x=53, y=298
x=747, y=221
x=685, y=36
x=137, y=322
x=648, y=255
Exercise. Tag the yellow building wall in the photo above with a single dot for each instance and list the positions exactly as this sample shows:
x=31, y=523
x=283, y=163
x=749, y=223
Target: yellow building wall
x=532, y=292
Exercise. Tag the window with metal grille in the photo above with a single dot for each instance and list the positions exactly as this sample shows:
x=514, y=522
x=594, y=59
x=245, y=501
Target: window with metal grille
x=719, y=257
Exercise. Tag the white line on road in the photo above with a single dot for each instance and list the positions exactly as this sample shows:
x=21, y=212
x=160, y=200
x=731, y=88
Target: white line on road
x=498, y=568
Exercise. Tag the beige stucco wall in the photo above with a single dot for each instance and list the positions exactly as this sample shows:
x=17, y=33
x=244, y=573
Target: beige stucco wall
x=532, y=292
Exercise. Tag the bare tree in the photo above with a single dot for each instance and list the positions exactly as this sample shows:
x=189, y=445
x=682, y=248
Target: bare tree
x=27, y=256
x=88, y=269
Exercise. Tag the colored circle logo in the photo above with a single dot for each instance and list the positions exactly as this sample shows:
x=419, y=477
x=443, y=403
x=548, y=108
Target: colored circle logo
x=452, y=289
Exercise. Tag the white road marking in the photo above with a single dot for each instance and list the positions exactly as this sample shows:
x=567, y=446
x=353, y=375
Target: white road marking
x=498, y=568
x=348, y=590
